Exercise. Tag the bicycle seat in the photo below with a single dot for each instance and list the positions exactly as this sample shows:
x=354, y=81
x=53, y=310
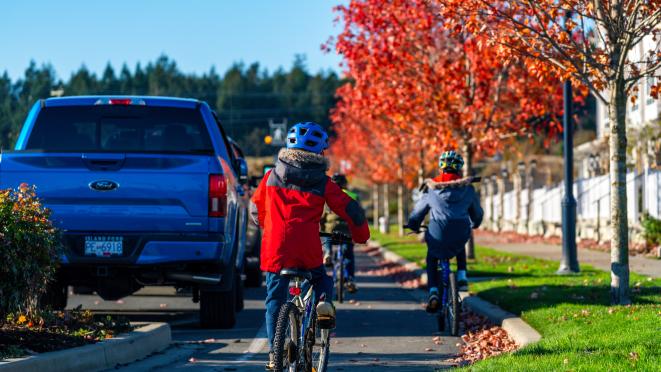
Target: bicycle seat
x=296, y=273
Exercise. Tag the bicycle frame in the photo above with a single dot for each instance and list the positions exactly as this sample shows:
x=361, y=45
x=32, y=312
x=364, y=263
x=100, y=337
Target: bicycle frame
x=339, y=257
x=445, y=279
x=305, y=304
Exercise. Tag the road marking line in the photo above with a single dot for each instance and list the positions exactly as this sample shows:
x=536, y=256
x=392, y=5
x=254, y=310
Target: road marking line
x=257, y=344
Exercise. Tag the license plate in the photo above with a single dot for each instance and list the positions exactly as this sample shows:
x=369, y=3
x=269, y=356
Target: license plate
x=104, y=246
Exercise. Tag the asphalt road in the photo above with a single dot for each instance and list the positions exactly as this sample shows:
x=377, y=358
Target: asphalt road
x=381, y=326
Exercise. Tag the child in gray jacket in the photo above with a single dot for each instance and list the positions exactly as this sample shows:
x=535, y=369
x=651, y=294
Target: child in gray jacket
x=454, y=209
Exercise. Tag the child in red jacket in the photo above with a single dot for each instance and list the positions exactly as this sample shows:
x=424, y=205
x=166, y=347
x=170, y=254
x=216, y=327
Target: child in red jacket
x=288, y=205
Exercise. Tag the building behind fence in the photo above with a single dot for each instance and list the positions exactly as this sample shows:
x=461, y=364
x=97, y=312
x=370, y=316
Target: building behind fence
x=513, y=205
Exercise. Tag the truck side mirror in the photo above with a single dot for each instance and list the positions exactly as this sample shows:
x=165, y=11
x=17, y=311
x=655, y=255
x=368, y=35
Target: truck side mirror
x=242, y=170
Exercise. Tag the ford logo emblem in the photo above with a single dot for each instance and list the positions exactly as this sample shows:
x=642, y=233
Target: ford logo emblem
x=104, y=185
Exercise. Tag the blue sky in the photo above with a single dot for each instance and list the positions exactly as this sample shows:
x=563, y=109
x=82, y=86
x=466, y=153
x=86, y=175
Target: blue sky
x=197, y=34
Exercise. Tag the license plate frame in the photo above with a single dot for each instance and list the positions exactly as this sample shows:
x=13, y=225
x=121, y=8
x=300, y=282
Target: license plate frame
x=103, y=246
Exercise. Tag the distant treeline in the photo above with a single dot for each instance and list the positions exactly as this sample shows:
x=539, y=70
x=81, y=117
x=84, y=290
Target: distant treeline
x=245, y=97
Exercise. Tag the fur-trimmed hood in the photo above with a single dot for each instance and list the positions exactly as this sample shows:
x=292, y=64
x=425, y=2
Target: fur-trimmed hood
x=430, y=183
x=452, y=191
x=301, y=168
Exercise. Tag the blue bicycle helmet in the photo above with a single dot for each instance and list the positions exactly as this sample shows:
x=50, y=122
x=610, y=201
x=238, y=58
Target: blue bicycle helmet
x=451, y=161
x=307, y=136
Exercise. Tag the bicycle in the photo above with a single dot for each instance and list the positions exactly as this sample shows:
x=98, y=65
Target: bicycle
x=302, y=339
x=340, y=272
x=448, y=314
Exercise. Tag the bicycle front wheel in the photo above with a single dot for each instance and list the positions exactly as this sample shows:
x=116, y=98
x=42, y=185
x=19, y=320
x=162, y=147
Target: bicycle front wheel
x=286, y=341
x=320, y=347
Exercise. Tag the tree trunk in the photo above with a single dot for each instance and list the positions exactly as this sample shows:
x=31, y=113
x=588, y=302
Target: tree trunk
x=468, y=171
x=375, y=206
x=386, y=207
x=421, y=169
x=618, y=195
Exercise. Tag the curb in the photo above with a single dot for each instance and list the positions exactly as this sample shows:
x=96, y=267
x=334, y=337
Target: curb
x=123, y=349
x=521, y=332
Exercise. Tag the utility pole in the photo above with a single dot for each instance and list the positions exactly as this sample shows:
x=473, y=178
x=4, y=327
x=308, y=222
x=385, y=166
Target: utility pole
x=569, y=262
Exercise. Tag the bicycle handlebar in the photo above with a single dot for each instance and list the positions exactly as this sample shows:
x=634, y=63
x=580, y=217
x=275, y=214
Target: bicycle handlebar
x=422, y=228
x=337, y=237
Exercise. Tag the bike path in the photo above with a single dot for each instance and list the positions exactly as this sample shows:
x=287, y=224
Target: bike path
x=600, y=260
x=381, y=326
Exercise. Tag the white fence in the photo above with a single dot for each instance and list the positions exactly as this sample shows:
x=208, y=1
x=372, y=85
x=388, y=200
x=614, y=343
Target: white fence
x=592, y=201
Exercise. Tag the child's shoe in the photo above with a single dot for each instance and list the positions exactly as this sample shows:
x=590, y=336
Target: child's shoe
x=433, y=302
x=270, y=365
x=326, y=315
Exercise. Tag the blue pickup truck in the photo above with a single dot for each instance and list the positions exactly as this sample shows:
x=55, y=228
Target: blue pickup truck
x=146, y=191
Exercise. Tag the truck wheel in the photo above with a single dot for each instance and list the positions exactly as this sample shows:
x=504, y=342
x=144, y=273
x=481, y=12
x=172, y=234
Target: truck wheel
x=218, y=309
x=55, y=296
x=80, y=290
x=238, y=285
x=253, y=276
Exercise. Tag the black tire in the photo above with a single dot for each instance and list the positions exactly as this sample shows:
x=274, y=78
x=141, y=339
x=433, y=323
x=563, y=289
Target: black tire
x=81, y=290
x=285, y=341
x=340, y=280
x=253, y=276
x=218, y=309
x=238, y=285
x=440, y=319
x=453, y=306
x=55, y=296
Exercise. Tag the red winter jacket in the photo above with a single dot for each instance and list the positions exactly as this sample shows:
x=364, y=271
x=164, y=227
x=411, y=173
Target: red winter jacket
x=288, y=205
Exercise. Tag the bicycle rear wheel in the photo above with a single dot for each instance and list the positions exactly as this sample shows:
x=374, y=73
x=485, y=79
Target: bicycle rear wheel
x=286, y=341
x=452, y=308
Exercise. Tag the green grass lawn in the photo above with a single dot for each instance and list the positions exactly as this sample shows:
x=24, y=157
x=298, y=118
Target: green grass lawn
x=581, y=331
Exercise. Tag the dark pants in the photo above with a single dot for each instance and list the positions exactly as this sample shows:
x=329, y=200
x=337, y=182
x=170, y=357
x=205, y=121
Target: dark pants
x=277, y=289
x=434, y=275
x=348, y=255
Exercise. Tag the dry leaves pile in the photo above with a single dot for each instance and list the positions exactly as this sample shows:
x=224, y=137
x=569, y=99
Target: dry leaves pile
x=482, y=340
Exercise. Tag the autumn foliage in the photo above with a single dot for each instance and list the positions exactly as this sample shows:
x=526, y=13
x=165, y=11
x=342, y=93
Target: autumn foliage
x=417, y=88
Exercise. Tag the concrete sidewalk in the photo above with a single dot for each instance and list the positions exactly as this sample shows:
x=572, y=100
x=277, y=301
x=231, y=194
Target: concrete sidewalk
x=601, y=260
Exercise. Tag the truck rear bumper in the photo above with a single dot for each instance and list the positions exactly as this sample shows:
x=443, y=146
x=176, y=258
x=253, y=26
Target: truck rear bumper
x=147, y=249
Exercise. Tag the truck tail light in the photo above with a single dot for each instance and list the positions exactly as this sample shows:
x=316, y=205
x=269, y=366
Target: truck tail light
x=120, y=101
x=217, y=195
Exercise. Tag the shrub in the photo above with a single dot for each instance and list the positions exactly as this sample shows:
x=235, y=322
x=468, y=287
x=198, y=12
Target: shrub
x=652, y=230
x=29, y=248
